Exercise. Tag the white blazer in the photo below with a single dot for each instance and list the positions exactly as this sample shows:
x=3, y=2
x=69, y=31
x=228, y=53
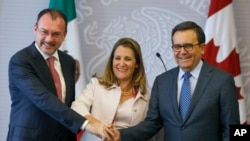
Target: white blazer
x=103, y=104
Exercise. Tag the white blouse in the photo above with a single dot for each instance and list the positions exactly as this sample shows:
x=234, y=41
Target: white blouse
x=104, y=105
x=124, y=114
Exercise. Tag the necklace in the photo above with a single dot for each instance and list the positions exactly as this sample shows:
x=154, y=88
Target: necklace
x=127, y=93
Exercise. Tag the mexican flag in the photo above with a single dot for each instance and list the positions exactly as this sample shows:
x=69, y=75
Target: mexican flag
x=72, y=42
x=221, y=45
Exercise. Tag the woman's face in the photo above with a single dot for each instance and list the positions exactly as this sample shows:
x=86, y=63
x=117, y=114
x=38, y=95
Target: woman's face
x=124, y=63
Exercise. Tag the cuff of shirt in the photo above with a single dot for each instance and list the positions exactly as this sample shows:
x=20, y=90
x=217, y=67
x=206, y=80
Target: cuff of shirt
x=84, y=124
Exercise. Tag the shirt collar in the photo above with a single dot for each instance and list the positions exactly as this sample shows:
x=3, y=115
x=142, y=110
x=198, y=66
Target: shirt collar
x=195, y=72
x=46, y=56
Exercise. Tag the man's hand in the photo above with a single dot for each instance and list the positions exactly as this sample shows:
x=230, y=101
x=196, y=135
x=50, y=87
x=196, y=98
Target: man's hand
x=116, y=134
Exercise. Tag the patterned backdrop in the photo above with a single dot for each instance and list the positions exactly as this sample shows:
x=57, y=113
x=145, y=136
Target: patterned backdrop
x=102, y=23
x=149, y=22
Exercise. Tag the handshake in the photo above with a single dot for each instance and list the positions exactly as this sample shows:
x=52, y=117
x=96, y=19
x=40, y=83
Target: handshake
x=107, y=132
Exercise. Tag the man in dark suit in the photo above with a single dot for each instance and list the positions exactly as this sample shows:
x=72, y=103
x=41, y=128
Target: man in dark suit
x=37, y=114
x=213, y=105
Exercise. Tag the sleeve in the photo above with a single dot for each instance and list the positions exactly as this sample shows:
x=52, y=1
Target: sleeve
x=228, y=106
x=84, y=101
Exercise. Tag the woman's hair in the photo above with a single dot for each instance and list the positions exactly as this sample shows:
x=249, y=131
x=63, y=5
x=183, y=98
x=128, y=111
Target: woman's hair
x=139, y=76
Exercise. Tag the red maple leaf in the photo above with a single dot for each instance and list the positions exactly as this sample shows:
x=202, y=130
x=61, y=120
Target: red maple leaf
x=230, y=64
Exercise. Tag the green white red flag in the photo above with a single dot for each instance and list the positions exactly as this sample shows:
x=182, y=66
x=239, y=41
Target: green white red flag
x=72, y=42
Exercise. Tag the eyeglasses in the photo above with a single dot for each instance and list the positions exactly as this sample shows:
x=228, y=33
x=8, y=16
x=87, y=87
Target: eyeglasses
x=187, y=47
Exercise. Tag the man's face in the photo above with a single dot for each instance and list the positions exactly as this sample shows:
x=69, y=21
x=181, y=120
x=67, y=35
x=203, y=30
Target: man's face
x=187, y=59
x=49, y=33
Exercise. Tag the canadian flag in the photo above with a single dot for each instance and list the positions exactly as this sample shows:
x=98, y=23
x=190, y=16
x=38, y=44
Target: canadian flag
x=221, y=45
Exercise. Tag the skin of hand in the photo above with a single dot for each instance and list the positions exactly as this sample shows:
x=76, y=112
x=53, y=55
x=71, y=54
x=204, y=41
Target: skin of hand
x=115, y=133
x=99, y=129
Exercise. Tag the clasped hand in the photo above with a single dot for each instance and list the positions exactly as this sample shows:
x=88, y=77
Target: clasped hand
x=105, y=131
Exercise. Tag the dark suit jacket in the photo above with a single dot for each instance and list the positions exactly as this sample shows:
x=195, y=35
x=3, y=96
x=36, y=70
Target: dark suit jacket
x=36, y=112
x=214, y=106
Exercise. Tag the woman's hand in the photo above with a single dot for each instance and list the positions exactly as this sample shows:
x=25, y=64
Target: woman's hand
x=115, y=136
x=99, y=129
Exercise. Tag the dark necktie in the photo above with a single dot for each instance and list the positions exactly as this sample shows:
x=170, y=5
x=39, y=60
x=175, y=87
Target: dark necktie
x=185, y=95
x=55, y=76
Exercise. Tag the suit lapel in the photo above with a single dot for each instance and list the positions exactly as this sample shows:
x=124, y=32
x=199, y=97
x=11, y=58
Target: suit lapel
x=42, y=69
x=173, y=87
x=203, y=80
x=66, y=75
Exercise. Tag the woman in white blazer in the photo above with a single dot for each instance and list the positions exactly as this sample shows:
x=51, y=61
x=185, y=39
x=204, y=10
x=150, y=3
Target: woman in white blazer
x=120, y=96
